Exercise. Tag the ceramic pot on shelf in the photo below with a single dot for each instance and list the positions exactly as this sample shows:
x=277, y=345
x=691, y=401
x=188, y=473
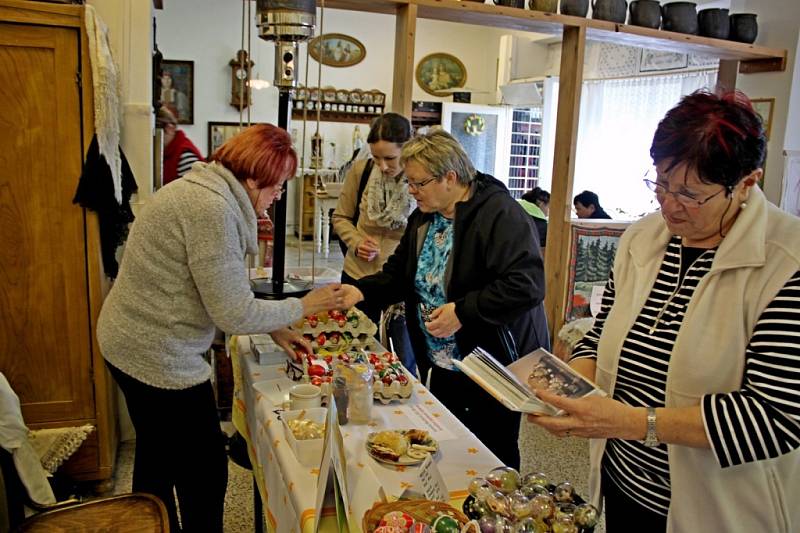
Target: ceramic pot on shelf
x=744, y=28
x=714, y=23
x=680, y=17
x=511, y=3
x=548, y=6
x=610, y=10
x=645, y=13
x=576, y=8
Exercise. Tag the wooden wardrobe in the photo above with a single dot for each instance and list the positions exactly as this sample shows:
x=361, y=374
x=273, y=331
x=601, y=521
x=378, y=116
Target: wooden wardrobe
x=51, y=277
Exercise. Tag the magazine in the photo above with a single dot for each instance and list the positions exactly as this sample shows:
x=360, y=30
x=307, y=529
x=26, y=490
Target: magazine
x=514, y=385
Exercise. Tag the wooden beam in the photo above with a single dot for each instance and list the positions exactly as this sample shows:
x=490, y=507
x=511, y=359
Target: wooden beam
x=404, y=38
x=558, y=230
x=726, y=77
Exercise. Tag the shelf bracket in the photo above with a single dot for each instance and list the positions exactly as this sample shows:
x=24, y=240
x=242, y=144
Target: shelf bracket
x=769, y=64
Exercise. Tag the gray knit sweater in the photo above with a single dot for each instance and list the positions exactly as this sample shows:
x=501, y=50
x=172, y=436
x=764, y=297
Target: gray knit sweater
x=183, y=272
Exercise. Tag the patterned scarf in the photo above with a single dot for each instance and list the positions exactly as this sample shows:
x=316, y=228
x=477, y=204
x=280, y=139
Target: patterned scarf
x=388, y=201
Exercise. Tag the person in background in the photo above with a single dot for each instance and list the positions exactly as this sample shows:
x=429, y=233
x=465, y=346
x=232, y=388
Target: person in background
x=471, y=274
x=587, y=205
x=179, y=152
x=536, y=203
x=183, y=274
x=697, y=341
x=373, y=210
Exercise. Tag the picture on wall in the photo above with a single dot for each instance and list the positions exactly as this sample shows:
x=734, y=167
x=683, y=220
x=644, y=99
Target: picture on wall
x=657, y=61
x=438, y=72
x=219, y=132
x=764, y=107
x=591, y=259
x=177, y=89
x=339, y=50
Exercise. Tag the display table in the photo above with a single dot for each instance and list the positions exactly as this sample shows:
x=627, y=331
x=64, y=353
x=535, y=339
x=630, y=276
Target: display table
x=288, y=489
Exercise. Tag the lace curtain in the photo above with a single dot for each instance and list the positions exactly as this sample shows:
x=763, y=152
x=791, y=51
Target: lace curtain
x=617, y=121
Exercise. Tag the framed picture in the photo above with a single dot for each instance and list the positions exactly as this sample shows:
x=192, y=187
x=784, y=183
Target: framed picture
x=656, y=61
x=219, y=132
x=438, y=72
x=338, y=50
x=592, y=252
x=177, y=89
x=765, y=107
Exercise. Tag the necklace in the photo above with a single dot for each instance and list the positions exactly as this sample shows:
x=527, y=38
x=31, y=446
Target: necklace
x=678, y=287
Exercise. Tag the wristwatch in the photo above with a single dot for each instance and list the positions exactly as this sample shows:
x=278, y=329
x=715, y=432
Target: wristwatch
x=651, y=438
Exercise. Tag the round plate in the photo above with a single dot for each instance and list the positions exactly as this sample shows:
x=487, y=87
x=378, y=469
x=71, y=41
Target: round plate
x=404, y=460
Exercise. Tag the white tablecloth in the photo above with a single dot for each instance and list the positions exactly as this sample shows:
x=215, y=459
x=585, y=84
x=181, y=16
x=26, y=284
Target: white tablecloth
x=289, y=489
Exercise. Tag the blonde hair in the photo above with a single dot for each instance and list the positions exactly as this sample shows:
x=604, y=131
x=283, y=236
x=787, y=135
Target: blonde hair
x=439, y=152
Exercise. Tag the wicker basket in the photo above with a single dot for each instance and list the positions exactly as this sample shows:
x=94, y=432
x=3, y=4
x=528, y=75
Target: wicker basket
x=420, y=510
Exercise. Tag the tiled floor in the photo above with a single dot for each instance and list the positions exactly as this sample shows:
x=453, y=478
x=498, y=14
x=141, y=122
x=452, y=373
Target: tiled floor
x=560, y=459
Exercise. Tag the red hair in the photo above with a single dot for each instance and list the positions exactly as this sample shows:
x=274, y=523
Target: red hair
x=262, y=152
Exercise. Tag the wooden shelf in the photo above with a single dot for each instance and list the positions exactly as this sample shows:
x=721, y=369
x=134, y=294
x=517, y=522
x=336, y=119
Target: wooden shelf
x=335, y=116
x=596, y=30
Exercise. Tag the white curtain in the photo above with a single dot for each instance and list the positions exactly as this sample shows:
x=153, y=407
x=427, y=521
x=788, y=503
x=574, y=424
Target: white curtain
x=617, y=121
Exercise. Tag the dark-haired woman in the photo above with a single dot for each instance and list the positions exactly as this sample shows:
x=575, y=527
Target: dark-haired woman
x=587, y=205
x=383, y=205
x=182, y=275
x=697, y=341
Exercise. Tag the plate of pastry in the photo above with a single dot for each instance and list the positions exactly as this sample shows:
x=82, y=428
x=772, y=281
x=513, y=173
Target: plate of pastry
x=401, y=446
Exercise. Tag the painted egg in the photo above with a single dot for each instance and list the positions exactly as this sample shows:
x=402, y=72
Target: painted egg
x=445, y=524
x=397, y=519
x=389, y=529
x=420, y=527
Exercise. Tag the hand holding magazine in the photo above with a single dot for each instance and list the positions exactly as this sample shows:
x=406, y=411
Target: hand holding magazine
x=514, y=385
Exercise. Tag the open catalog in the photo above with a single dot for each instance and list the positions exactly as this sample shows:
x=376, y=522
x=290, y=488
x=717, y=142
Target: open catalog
x=515, y=384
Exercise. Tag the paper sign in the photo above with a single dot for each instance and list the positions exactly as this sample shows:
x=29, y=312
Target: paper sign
x=422, y=418
x=596, y=299
x=431, y=481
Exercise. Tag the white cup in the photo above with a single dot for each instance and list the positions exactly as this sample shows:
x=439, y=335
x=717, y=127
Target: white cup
x=305, y=396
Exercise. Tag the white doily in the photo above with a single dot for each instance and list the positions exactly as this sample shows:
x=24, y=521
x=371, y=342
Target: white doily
x=54, y=446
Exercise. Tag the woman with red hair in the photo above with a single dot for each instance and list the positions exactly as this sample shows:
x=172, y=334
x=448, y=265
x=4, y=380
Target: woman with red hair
x=183, y=275
x=697, y=341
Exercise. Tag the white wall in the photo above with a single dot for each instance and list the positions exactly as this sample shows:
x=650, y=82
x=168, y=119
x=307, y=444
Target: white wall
x=779, y=23
x=215, y=36
x=792, y=139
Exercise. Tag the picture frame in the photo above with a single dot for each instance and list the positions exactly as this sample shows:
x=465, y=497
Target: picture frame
x=177, y=89
x=436, y=73
x=658, y=61
x=339, y=50
x=219, y=132
x=592, y=251
x=765, y=107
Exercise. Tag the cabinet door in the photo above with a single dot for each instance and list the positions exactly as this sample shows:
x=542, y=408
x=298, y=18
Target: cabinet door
x=45, y=349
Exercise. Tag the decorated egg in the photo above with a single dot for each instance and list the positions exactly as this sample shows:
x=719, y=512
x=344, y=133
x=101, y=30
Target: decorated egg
x=564, y=492
x=533, y=490
x=495, y=524
x=534, y=479
x=498, y=503
x=543, y=507
x=420, y=527
x=389, y=529
x=475, y=484
x=445, y=524
x=586, y=515
x=397, y=519
x=475, y=508
x=504, y=478
x=520, y=505
x=529, y=525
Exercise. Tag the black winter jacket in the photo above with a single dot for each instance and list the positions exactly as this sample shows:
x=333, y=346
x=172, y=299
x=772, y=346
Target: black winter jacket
x=495, y=276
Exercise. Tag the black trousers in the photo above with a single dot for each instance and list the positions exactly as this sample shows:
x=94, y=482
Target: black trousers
x=623, y=512
x=494, y=424
x=179, y=446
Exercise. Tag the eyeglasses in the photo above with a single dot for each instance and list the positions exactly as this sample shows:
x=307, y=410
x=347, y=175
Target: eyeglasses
x=412, y=186
x=684, y=198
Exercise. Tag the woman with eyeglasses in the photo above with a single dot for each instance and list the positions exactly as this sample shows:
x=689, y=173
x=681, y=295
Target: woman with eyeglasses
x=470, y=272
x=697, y=342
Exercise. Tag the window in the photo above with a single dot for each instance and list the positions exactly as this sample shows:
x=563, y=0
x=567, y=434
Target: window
x=525, y=149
